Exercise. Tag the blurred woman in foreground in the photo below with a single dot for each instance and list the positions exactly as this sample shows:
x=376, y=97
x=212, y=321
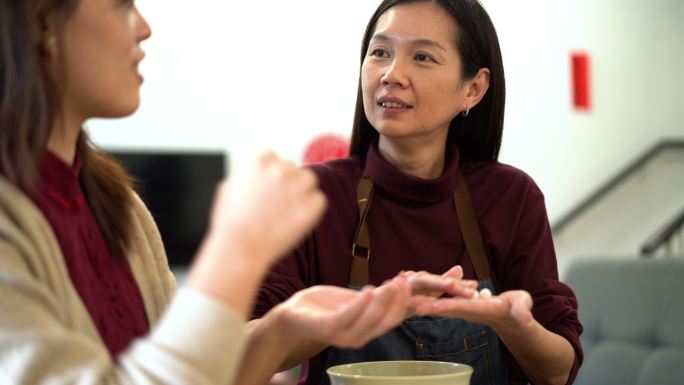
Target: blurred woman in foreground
x=86, y=295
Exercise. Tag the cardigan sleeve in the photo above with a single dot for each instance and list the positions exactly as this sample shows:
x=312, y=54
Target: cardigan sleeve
x=198, y=340
x=46, y=334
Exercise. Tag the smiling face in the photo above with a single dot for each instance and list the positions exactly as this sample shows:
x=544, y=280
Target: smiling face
x=411, y=75
x=96, y=60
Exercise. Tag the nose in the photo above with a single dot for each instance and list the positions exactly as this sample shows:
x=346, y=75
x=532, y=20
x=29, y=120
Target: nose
x=143, y=30
x=395, y=74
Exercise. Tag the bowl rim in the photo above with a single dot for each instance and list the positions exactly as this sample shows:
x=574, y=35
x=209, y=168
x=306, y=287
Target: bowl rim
x=427, y=376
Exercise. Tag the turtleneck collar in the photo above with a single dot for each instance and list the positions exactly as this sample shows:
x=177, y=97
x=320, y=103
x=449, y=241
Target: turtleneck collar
x=396, y=182
x=60, y=181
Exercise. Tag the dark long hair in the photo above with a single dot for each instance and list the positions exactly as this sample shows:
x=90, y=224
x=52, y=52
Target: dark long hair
x=478, y=136
x=29, y=108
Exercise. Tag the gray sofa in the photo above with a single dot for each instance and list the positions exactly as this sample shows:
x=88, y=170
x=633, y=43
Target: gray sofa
x=633, y=316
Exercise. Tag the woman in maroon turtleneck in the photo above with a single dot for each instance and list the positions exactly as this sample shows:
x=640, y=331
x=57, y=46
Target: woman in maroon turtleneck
x=426, y=138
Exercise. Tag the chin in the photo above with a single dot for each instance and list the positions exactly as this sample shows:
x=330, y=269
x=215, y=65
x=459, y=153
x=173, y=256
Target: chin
x=392, y=130
x=124, y=109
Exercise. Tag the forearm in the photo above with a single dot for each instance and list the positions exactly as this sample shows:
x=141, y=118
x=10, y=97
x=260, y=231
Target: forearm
x=269, y=350
x=300, y=353
x=545, y=357
x=235, y=285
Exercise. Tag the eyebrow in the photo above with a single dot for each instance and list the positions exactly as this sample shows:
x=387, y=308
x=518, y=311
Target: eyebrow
x=421, y=42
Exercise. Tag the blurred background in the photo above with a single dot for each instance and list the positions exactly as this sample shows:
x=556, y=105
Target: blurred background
x=593, y=109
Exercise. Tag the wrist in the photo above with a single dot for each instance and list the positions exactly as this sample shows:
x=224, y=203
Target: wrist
x=512, y=331
x=231, y=250
x=226, y=271
x=277, y=323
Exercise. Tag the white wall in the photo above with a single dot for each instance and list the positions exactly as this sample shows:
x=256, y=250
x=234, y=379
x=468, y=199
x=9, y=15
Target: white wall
x=241, y=76
x=621, y=222
x=636, y=52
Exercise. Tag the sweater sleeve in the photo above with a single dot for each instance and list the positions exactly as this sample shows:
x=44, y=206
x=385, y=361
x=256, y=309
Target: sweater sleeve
x=197, y=341
x=531, y=266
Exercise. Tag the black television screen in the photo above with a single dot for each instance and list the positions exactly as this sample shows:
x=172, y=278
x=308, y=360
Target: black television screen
x=177, y=188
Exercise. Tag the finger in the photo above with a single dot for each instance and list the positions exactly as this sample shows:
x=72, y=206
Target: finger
x=273, y=170
x=364, y=327
x=463, y=288
x=397, y=308
x=429, y=282
x=422, y=304
x=305, y=179
x=266, y=158
x=288, y=164
x=474, y=310
x=394, y=309
x=333, y=322
x=455, y=272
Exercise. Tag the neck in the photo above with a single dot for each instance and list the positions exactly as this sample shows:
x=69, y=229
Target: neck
x=63, y=139
x=420, y=158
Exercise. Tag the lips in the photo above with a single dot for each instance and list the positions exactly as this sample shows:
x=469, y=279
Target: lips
x=136, y=63
x=393, y=102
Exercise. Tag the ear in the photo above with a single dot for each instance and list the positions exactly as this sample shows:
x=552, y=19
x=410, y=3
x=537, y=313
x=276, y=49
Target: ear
x=45, y=32
x=476, y=88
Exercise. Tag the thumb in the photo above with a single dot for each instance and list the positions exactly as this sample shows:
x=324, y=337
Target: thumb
x=521, y=308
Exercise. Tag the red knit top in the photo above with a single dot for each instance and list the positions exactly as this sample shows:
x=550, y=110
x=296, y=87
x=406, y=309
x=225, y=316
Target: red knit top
x=104, y=281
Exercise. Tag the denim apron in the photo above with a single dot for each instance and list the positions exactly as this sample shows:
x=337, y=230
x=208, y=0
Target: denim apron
x=429, y=338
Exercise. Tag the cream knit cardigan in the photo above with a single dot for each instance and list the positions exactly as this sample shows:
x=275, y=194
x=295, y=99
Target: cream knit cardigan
x=48, y=337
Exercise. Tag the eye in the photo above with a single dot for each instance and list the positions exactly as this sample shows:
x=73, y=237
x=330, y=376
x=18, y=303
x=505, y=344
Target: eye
x=423, y=57
x=379, y=52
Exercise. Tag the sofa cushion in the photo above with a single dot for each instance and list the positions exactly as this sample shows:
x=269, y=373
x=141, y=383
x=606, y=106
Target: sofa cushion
x=633, y=317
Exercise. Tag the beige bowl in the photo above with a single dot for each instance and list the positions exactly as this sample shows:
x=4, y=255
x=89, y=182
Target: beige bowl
x=401, y=372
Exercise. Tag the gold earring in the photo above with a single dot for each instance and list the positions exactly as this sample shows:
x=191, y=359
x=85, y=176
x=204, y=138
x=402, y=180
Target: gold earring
x=50, y=41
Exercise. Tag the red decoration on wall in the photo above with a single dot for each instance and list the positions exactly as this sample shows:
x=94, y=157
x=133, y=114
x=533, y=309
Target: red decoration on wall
x=326, y=147
x=581, y=81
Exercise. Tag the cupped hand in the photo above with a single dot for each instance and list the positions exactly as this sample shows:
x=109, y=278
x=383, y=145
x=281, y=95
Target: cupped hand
x=343, y=317
x=508, y=310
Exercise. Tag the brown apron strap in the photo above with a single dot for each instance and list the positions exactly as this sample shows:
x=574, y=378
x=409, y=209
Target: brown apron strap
x=470, y=230
x=361, y=245
x=466, y=220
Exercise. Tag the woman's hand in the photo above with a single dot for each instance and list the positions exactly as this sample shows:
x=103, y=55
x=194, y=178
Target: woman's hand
x=511, y=310
x=317, y=317
x=257, y=216
x=267, y=207
x=343, y=317
x=424, y=284
x=544, y=356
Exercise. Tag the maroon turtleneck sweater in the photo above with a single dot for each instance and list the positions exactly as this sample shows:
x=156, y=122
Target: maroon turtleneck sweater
x=413, y=226
x=104, y=282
